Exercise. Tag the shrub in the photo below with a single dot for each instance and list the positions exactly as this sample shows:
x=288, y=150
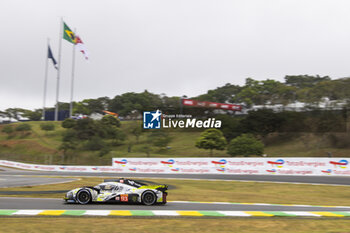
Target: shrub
x=68, y=123
x=69, y=135
x=245, y=145
x=67, y=145
x=47, y=126
x=95, y=143
x=110, y=120
x=8, y=129
x=23, y=127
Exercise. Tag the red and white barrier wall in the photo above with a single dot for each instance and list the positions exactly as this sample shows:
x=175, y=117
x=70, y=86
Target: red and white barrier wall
x=252, y=166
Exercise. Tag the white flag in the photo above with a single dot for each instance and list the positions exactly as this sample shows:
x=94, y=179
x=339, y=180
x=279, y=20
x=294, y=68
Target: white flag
x=81, y=47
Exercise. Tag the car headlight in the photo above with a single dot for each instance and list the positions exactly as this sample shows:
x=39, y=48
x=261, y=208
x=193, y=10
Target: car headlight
x=69, y=195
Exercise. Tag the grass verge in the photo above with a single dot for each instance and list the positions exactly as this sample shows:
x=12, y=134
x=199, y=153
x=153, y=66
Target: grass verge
x=101, y=224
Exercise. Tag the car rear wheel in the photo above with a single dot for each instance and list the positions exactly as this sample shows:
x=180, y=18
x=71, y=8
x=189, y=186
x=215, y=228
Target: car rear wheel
x=148, y=198
x=83, y=197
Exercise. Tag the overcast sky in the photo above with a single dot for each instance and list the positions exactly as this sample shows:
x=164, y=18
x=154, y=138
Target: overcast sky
x=177, y=47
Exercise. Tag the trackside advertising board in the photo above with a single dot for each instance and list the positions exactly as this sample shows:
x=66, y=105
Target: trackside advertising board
x=247, y=166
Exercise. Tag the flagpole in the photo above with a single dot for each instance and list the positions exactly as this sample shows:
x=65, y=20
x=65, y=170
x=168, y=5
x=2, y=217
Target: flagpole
x=72, y=80
x=58, y=68
x=45, y=78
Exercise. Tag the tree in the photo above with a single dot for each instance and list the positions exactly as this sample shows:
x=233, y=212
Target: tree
x=95, y=143
x=211, y=139
x=3, y=114
x=116, y=134
x=109, y=128
x=170, y=105
x=251, y=93
x=66, y=146
x=89, y=106
x=136, y=130
x=262, y=122
x=14, y=113
x=159, y=138
x=224, y=94
x=92, y=134
x=302, y=81
x=130, y=102
x=261, y=92
x=33, y=115
x=245, y=145
x=68, y=123
x=47, y=127
x=86, y=129
x=69, y=135
x=69, y=142
x=230, y=127
x=110, y=120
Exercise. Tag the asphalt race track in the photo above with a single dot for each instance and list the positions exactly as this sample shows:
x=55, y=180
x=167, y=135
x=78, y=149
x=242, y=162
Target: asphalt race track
x=59, y=204
x=17, y=181
x=15, y=177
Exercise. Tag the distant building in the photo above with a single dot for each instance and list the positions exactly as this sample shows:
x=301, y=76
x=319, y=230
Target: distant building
x=326, y=104
x=62, y=115
x=96, y=116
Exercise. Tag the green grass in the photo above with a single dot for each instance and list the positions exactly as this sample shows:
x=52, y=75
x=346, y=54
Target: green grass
x=41, y=147
x=164, y=225
x=39, y=144
x=230, y=191
x=305, y=145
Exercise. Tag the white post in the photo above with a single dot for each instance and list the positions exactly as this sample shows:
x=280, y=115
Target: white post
x=72, y=81
x=59, y=68
x=45, y=79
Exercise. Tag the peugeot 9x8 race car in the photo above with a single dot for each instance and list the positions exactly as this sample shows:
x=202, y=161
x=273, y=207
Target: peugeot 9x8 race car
x=119, y=191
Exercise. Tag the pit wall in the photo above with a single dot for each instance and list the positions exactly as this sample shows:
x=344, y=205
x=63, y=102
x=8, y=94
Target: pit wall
x=246, y=166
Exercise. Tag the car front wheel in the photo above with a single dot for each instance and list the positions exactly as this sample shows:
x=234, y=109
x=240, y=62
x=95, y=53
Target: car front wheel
x=83, y=197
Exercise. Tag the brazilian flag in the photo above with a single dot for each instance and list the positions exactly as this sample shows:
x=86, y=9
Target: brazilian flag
x=68, y=34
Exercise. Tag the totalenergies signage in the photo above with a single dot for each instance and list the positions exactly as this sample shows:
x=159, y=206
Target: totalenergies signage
x=249, y=166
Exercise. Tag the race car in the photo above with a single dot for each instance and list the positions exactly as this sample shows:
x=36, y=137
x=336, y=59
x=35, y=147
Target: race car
x=119, y=191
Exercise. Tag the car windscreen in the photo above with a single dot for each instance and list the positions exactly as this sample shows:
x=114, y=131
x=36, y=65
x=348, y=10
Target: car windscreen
x=105, y=186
